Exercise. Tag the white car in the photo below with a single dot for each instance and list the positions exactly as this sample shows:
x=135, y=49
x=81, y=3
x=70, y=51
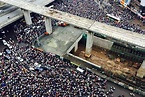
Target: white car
x=132, y=94
x=4, y=42
x=1, y=54
x=19, y=58
x=9, y=46
x=1, y=11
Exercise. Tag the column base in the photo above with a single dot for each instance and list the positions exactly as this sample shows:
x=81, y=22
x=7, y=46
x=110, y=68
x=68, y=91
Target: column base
x=46, y=33
x=141, y=72
x=88, y=55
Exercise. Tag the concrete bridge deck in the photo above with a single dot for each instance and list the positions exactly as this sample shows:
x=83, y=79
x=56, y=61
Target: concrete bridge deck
x=17, y=14
x=60, y=41
x=91, y=25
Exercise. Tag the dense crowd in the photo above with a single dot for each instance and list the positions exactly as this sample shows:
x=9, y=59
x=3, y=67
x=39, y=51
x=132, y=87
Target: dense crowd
x=97, y=10
x=28, y=33
x=61, y=79
x=29, y=72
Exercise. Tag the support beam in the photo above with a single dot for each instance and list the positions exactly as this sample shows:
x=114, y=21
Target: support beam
x=48, y=25
x=141, y=70
x=27, y=16
x=89, y=43
x=76, y=47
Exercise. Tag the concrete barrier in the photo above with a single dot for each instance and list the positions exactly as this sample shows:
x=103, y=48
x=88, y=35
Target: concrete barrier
x=99, y=67
x=106, y=44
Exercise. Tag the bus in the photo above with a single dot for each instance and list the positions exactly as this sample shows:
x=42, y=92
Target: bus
x=114, y=17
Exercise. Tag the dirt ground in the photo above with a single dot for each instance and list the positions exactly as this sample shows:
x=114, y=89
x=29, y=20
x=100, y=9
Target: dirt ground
x=102, y=58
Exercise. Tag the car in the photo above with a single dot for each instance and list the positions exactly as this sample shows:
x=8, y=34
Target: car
x=38, y=27
x=1, y=11
x=20, y=59
x=45, y=67
x=1, y=54
x=7, y=51
x=62, y=24
x=38, y=69
x=7, y=57
x=31, y=68
x=9, y=46
x=113, y=88
x=4, y=42
x=132, y=94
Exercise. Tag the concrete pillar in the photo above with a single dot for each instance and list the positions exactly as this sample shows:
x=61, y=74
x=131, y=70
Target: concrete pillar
x=89, y=44
x=27, y=16
x=48, y=25
x=141, y=70
x=1, y=3
x=76, y=47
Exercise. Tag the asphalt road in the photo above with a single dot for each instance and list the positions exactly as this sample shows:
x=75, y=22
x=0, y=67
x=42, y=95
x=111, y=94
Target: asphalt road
x=8, y=35
x=121, y=91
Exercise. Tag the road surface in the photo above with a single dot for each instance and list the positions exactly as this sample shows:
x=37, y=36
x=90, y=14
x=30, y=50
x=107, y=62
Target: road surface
x=8, y=18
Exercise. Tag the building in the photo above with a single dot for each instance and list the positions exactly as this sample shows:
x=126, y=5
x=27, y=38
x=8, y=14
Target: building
x=142, y=7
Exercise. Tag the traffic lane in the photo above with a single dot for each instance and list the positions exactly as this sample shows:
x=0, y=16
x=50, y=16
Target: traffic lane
x=119, y=90
x=1, y=46
x=8, y=34
x=10, y=15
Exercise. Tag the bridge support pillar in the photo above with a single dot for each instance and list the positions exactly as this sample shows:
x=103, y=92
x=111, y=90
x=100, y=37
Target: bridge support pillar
x=48, y=25
x=76, y=47
x=89, y=44
x=141, y=70
x=27, y=16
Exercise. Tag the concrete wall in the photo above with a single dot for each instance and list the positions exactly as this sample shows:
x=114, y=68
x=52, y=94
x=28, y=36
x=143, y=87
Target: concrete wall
x=141, y=70
x=102, y=43
x=81, y=62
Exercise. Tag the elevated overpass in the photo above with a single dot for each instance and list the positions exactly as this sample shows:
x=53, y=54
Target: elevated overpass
x=17, y=14
x=87, y=24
